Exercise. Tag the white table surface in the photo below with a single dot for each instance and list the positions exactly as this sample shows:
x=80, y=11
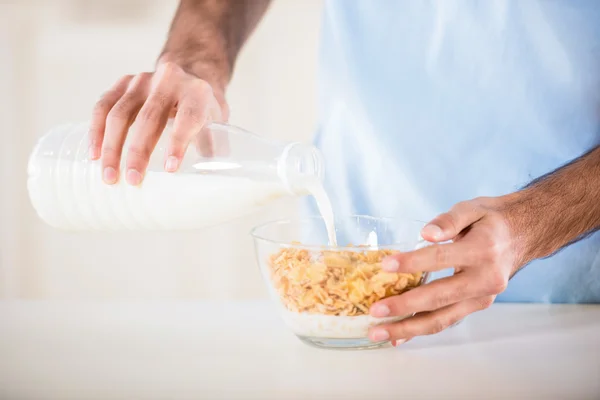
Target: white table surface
x=213, y=350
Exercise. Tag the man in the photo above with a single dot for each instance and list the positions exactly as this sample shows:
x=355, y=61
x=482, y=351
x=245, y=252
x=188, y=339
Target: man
x=424, y=105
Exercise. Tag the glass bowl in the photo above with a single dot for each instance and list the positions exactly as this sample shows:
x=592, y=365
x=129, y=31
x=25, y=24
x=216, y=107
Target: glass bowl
x=324, y=292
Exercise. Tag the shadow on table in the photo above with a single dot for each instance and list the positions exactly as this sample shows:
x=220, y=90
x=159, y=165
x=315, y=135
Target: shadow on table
x=517, y=321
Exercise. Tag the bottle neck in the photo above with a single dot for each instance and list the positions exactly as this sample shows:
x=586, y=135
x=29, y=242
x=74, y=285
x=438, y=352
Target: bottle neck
x=300, y=167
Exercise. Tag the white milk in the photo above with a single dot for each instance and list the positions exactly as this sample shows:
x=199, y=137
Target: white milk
x=331, y=326
x=72, y=195
x=317, y=190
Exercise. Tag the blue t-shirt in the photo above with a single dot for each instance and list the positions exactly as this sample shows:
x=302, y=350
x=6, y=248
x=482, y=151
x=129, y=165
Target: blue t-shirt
x=427, y=103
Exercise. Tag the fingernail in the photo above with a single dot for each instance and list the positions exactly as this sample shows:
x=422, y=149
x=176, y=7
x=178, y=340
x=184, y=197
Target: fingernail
x=433, y=231
x=134, y=177
x=379, y=335
x=171, y=164
x=380, y=310
x=399, y=342
x=110, y=175
x=94, y=153
x=390, y=264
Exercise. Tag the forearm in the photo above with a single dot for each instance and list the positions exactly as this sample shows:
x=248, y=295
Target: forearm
x=206, y=36
x=558, y=208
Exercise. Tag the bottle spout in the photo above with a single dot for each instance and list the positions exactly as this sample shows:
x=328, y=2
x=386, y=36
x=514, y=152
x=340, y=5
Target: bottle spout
x=300, y=167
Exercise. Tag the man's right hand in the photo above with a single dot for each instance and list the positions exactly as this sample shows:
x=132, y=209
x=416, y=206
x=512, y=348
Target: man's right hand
x=149, y=100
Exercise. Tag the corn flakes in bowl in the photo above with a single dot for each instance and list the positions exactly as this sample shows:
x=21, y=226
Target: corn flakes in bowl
x=324, y=293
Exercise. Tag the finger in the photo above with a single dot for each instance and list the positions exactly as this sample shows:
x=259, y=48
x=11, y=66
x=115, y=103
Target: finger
x=150, y=123
x=432, y=296
x=118, y=121
x=448, y=225
x=173, y=112
x=205, y=142
x=429, y=323
x=431, y=258
x=101, y=110
x=397, y=343
x=192, y=115
x=212, y=141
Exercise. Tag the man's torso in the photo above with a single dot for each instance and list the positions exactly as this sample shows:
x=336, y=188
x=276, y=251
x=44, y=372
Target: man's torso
x=427, y=103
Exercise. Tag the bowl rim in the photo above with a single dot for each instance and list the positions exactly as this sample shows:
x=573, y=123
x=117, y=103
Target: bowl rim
x=283, y=244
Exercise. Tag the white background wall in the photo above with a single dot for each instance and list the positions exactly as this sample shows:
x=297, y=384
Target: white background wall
x=57, y=57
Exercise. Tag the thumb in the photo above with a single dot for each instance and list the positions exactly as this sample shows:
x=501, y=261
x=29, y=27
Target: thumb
x=448, y=225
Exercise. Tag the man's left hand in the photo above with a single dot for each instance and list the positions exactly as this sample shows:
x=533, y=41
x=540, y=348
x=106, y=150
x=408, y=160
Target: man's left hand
x=484, y=253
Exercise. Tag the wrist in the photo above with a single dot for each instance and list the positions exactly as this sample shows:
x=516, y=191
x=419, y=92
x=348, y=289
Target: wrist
x=531, y=225
x=555, y=210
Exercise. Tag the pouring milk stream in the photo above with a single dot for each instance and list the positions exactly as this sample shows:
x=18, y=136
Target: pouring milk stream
x=239, y=173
